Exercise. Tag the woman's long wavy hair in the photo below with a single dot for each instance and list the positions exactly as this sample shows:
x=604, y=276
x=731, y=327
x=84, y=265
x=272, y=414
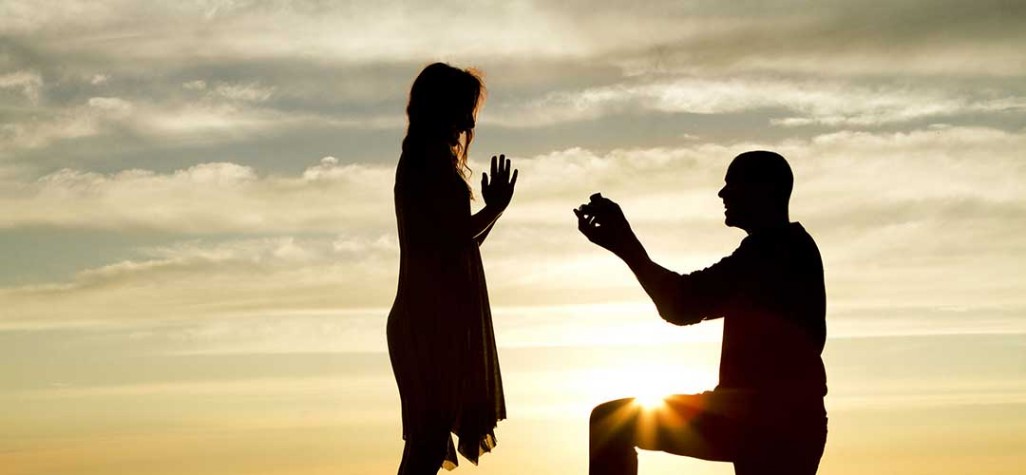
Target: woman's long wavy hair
x=443, y=105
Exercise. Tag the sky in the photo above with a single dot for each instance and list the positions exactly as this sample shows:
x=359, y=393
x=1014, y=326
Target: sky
x=198, y=246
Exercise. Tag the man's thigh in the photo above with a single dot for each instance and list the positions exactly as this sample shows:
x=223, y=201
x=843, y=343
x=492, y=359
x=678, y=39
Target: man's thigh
x=721, y=425
x=706, y=426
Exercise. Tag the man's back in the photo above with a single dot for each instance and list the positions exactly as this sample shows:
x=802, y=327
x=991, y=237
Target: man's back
x=773, y=337
x=771, y=295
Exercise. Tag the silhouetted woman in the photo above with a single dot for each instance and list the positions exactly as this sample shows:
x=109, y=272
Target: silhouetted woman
x=440, y=336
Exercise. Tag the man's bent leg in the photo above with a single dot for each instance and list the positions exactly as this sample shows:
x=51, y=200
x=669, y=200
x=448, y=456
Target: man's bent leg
x=698, y=426
x=611, y=438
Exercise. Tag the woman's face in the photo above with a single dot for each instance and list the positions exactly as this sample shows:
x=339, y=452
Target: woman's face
x=468, y=122
x=464, y=122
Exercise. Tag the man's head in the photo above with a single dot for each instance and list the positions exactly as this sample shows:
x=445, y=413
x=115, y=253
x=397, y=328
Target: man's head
x=757, y=190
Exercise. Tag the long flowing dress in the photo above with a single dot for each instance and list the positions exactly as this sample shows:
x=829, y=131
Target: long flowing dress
x=440, y=336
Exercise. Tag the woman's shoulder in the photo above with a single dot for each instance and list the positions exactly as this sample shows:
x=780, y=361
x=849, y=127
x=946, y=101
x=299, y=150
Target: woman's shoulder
x=426, y=161
x=426, y=153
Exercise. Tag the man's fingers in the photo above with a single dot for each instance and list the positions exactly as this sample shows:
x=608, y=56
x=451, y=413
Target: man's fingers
x=513, y=181
x=484, y=180
x=605, y=204
x=582, y=222
x=601, y=202
x=494, y=164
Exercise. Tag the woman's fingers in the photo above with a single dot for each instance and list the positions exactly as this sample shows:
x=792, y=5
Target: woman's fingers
x=501, y=168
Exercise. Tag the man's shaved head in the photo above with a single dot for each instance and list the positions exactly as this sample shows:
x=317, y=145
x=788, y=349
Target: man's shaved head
x=763, y=168
x=757, y=190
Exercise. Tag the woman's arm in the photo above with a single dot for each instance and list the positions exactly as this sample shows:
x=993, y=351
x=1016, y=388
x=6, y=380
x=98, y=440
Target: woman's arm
x=481, y=223
x=480, y=238
x=497, y=194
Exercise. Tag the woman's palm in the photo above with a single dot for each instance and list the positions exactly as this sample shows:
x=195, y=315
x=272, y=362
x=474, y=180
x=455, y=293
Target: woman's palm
x=499, y=190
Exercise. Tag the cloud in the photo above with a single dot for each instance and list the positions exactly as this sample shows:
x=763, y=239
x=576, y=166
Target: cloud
x=227, y=78
x=398, y=30
x=229, y=112
x=807, y=101
x=890, y=211
x=930, y=36
x=244, y=92
x=202, y=279
x=27, y=82
x=925, y=39
x=133, y=117
x=205, y=198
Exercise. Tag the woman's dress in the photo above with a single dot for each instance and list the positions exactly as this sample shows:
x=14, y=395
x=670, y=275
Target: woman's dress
x=440, y=336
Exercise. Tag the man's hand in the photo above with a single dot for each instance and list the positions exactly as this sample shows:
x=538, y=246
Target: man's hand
x=602, y=221
x=499, y=191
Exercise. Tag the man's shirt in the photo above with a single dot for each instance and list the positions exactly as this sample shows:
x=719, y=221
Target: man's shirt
x=771, y=295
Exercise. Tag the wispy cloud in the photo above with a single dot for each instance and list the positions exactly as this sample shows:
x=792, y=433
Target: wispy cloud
x=26, y=82
x=885, y=207
x=206, y=198
x=806, y=102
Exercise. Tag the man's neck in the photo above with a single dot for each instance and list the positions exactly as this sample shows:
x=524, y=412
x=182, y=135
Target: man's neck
x=768, y=224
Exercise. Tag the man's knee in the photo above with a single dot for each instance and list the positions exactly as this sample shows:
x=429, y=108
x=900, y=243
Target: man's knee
x=619, y=409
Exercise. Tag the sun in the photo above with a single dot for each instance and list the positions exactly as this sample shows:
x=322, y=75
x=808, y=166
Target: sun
x=649, y=385
x=651, y=401
x=647, y=382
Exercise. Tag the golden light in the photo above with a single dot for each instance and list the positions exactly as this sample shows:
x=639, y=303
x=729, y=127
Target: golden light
x=650, y=401
x=648, y=384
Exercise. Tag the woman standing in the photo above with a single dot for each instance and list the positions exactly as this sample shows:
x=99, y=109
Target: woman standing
x=440, y=337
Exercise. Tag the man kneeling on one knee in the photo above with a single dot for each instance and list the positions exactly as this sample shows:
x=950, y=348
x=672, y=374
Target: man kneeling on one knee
x=766, y=416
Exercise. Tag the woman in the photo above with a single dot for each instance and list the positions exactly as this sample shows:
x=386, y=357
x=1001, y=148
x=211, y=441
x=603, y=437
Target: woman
x=440, y=337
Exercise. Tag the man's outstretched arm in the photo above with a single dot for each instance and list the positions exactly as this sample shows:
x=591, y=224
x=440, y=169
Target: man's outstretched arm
x=603, y=223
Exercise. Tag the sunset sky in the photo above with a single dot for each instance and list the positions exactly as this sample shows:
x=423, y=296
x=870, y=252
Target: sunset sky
x=198, y=248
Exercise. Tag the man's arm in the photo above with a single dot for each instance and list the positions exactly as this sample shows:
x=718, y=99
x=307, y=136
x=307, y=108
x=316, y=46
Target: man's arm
x=603, y=223
x=661, y=285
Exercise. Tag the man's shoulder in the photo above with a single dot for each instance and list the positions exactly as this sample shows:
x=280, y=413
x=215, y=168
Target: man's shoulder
x=785, y=243
x=802, y=237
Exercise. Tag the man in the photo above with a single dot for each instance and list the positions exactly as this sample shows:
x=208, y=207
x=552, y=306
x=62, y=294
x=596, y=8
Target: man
x=767, y=414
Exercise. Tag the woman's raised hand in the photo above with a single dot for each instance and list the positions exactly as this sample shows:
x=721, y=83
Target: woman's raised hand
x=498, y=191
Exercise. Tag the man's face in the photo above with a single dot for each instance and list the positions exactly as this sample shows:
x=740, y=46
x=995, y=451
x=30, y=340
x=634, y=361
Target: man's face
x=730, y=207
x=740, y=199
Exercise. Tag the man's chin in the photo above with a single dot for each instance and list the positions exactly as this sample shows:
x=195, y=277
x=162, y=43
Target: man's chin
x=731, y=222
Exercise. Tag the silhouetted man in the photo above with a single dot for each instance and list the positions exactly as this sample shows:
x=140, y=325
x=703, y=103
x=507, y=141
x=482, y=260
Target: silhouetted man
x=767, y=414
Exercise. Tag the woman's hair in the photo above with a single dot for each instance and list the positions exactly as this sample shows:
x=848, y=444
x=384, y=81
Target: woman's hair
x=443, y=103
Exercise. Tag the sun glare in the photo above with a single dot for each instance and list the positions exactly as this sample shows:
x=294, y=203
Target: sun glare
x=649, y=384
x=650, y=401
